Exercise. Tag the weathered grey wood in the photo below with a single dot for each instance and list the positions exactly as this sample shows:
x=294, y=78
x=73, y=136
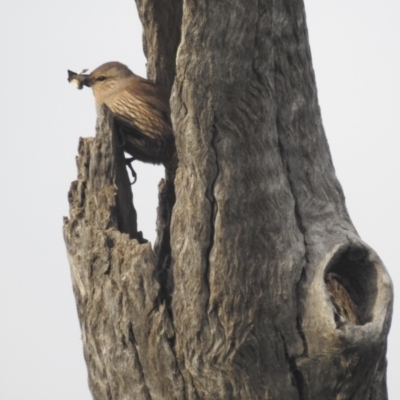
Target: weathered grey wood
x=161, y=21
x=252, y=306
x=125, y=328
x=260, y=288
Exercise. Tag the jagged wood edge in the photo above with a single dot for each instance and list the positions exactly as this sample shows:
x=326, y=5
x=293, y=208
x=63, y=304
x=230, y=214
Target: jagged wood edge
x=126, y=331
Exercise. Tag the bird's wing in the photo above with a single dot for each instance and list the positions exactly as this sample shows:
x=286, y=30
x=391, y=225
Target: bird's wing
x=154, y=96
x=143, y=107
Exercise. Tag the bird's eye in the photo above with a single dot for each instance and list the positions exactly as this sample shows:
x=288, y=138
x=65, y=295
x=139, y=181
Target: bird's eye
x=101, y=78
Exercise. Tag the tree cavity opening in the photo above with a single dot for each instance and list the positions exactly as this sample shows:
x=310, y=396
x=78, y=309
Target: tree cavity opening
x=351, y=281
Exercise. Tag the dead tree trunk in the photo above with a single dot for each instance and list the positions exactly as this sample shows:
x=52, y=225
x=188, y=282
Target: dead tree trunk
x=259, y=286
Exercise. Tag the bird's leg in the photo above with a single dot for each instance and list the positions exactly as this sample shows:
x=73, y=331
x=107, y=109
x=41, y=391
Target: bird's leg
x=128, y=162
x=121, y=136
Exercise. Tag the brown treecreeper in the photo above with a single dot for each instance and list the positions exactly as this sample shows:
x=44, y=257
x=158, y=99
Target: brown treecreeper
x=140, y=108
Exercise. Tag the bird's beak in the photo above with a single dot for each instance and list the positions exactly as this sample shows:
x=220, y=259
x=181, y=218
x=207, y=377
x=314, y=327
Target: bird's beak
x=79, y=79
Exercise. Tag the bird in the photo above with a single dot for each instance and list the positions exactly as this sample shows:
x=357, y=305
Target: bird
x=140, y=108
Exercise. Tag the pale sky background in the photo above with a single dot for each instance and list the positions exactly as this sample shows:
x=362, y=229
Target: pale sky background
x=355, y=47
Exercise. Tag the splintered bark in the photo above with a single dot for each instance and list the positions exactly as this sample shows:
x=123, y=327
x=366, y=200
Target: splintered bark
x=259, y=286
x=125, y=329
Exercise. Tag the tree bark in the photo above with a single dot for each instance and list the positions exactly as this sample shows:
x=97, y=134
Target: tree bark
x=259, y=286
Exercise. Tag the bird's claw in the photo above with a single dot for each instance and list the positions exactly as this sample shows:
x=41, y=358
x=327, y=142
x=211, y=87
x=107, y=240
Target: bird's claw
x=128, y=162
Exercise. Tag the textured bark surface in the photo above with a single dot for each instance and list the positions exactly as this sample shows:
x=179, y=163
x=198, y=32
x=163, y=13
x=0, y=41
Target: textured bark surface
x=263, y=289
x=161, y=21
x=125, y=328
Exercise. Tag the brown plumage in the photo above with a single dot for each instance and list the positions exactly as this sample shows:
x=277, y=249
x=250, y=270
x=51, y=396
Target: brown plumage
x=141, y=110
